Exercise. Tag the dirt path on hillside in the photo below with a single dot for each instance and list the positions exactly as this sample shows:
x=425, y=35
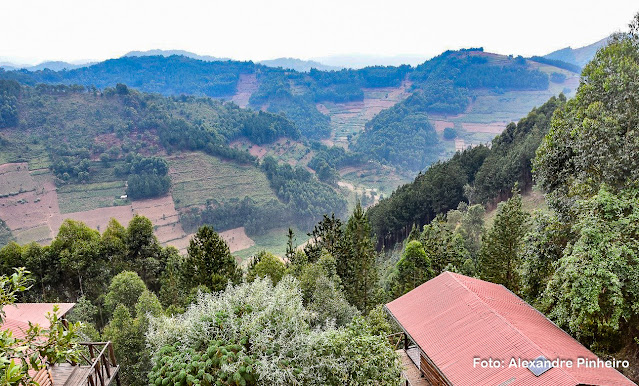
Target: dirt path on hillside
x=246, y=86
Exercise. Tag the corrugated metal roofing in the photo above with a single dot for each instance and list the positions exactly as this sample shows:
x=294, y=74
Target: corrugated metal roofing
x=18, y=316
x=455, y=319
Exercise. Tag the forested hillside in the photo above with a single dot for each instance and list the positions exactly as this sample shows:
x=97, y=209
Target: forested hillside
x=447, y=84
x=347, y=135
x=479, y=175
x=91, y=138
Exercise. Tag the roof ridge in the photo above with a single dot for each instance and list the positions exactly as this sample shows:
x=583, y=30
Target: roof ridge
x=500, y=316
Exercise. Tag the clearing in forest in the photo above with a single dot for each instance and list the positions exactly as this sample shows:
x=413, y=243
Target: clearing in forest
x=246, y=86
x=349, y=118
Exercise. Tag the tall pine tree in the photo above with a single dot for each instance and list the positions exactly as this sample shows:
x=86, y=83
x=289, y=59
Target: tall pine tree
x=503, y=243
x=413, y=269
x=209, y=261
x=356, y=262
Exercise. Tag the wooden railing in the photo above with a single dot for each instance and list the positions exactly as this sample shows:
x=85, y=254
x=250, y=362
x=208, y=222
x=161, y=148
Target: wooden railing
x=396, y=340
x=104, y=368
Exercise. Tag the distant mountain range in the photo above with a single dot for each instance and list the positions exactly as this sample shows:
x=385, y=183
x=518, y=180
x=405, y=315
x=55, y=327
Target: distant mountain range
x=298, y=64
x=327, y=63
x=166, y=53
x=285, y=63
x=358, y=61
x=578, y=56
x=51, y=65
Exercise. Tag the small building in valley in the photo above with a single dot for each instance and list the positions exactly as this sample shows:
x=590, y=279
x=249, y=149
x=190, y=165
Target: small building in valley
x=459, y=330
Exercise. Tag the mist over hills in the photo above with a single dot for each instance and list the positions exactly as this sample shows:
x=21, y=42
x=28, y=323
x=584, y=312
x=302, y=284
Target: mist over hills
x=298, y=64
x=166, y=53
x=578, y=56
x=357, y=61
x=48, y=65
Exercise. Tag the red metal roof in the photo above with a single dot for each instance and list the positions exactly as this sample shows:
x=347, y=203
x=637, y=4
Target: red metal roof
x=455, y=319
x=18, y=316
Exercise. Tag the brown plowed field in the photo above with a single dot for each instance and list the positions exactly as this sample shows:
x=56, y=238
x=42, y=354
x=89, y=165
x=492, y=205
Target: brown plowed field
x=34, y=214
x=246, y=86
x=441, y=125
x=27, y=214
x=161, y=211
x=491, y=128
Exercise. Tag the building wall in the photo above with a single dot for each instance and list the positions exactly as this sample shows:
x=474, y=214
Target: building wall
x=431, y=373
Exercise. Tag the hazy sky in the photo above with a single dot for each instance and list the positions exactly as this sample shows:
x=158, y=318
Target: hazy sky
x=71, y=30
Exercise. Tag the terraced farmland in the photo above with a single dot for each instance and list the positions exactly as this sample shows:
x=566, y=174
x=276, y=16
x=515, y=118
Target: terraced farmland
x=13, y=179
x=83, y=197
x=490, y=112
x=198, y=177
x=27, y=203
x=286, y=150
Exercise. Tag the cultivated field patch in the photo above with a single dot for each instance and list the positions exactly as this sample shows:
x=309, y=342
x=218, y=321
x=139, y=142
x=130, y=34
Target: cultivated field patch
x=440, y=125
x=15, y=179
x=348, y=119
x=490, y=112
x=491, y=128
x=246, y=86
x=198, y=177
x=284, y=149
x=84, y=197
x=236, y=238
x=27, y=213
x=382, y=180
x=161, y=211
x=273, y=241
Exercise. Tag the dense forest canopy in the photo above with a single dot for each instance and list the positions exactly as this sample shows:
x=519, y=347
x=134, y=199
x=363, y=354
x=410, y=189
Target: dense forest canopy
x=401, y=135
x=9, y=93
x=148, y=300
x=173, y=75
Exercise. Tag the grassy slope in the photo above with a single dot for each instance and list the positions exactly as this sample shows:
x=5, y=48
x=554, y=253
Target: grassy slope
x=531, y=201
x=490, y=112
x=274, y=241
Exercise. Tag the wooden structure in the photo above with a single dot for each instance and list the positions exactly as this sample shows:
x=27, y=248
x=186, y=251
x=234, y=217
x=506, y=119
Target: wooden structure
x=98, y=365
x=98, y=368
x=43, y=377
x=417, y=369
x=453, y=322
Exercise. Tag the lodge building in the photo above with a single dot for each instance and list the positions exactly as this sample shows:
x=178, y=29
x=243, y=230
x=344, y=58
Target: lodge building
x=458, y=330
